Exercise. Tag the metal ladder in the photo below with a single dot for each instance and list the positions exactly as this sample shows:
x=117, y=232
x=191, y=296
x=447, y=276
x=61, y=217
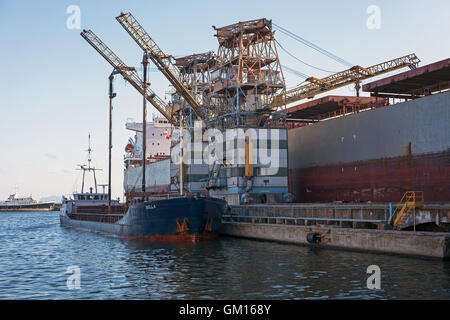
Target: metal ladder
x=408, y=204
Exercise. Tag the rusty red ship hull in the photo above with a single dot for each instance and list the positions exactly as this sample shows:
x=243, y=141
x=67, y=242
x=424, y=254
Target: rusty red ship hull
x=382, y=180
x=374, y=155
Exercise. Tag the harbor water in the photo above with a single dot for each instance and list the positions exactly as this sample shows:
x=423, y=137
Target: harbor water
x=39, y=259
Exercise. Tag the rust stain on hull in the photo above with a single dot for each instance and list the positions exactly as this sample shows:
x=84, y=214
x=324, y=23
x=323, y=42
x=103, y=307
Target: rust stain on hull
x=382, y=180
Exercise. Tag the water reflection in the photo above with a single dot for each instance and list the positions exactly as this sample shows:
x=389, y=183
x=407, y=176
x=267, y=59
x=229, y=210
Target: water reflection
x=36, y=252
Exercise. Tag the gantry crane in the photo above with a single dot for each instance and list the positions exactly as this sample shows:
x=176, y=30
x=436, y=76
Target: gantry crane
x=163, y=63
x=353, y=75
x=130, y=74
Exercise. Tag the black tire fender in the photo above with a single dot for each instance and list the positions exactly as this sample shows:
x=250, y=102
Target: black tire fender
x=313, y=237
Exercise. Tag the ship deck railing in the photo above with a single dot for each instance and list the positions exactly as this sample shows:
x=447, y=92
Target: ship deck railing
x=293, y=220
x=96, y=217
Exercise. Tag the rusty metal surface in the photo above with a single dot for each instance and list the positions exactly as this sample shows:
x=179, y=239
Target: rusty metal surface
x=435, y=76
x=327, y=106
x=99, y=209
x=375, y=155
x=107, y=218
x=199, y=60
x=383, y=180
x=258, y=25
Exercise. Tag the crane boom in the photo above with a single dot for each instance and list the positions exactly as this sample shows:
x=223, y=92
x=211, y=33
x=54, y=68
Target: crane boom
x=340, y=79
x=161, y=60
x=130, y=74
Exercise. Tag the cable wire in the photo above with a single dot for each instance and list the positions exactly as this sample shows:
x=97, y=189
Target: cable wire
x=312, y=45
x=309, y=65
x=297, y=73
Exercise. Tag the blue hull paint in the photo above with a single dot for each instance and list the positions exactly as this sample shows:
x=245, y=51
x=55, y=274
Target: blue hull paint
x=177, y=219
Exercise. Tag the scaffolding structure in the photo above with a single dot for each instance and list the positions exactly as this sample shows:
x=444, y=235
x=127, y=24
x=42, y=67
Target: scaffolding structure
x=196, y=70
x=247, y=76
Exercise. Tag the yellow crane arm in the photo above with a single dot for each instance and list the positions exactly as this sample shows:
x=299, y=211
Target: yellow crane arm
x=129, y=73
x=161, y=60
x=340, y=79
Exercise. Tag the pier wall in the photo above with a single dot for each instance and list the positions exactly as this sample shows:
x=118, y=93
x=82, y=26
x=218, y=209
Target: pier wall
x=364, y=215
x=425, y=244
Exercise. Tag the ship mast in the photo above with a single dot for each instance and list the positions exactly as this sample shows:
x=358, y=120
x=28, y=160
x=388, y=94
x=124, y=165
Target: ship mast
x=89, y=168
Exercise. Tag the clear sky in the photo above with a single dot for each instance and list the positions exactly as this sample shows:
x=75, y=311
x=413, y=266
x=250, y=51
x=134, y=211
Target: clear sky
x=54, y=86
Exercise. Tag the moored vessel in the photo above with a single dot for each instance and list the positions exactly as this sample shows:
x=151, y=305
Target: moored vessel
x=371, y=150
x=27, y=204
x=157, y=214
x=184, y=219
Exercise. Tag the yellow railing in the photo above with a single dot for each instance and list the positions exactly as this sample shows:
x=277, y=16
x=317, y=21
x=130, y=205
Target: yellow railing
x=406, y=206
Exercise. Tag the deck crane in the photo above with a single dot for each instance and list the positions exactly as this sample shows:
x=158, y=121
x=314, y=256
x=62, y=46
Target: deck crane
x=129, y=73
x=353, y=75
x=163, y=62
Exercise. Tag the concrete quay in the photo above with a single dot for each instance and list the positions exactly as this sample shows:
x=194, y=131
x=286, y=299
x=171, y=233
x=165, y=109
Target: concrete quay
x=422, y=244
x=361, y=227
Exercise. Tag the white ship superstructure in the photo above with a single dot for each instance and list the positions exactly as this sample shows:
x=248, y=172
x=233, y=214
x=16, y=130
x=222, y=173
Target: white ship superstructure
x=158, y=144
x=13, y=201
x=26, y=204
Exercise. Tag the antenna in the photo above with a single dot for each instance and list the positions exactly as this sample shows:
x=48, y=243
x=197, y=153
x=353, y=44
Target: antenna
x=89, y=150
x=103, y=186
x=89, y=168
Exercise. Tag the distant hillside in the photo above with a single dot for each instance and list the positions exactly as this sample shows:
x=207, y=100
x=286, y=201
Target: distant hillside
x=56, y=199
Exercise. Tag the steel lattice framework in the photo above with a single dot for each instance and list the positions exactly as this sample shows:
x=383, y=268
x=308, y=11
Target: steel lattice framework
x=162, y=61
x=129, y=73
x=340, y=79
x=196, y=69
x=241, y=85
x=248, y=75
